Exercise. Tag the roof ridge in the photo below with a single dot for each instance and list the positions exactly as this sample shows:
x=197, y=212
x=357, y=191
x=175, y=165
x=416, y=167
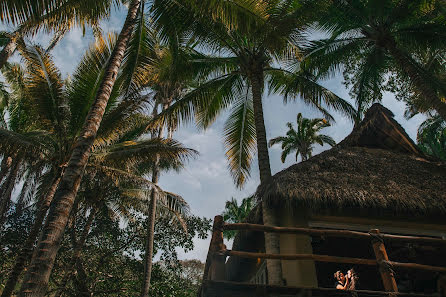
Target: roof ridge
x=379, y=129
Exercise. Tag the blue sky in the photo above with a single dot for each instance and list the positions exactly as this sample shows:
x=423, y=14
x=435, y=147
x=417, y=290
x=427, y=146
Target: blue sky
x=206, y=183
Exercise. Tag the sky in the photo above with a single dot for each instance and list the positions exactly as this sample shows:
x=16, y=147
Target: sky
x=206, y=183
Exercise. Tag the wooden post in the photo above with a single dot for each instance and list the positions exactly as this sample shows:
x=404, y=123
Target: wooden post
x=387, y=274
x=441, y=283
x=217, y=266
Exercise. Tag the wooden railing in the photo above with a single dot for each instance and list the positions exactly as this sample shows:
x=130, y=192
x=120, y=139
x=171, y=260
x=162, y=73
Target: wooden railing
x=215, y=263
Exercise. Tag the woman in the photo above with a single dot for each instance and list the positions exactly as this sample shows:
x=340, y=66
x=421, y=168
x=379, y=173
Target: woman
x=352, y=278
x=341, y=281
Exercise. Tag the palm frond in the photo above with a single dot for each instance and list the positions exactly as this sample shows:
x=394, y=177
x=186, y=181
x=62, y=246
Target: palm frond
x=130, y=153
x=240, y=139
x=44, y=87
x=34, y=144
x=85, y=83
x=217, y=90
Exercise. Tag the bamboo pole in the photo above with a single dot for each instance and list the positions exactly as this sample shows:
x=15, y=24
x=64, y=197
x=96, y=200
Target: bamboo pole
x=331, y=233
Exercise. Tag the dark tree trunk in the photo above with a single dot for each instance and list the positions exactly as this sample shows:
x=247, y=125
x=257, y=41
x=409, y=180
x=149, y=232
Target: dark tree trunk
x=6, y=191
x=7, y=52
x=37, y=277
x=27, y=249
x=151, y=225
x=80, y=282
x=407, y=65
x=79, y=245
x=272, y=242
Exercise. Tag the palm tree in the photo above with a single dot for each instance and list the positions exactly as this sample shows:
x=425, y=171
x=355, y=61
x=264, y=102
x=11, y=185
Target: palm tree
x=235, y=213
x=169, y=78
x=37, y=276
x=431, y=137
x=70, y=104
x=19, y=153
x=249, y=55
x=302, y=140
x=115, y=185
x=57, y=16
x=65, y=106
x=381, y=36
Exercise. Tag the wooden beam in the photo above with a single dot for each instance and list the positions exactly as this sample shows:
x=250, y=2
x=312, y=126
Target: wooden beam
x=332, y=233
x=319, y=258
x=385, y=269
x=236, y=289
x=331, y=259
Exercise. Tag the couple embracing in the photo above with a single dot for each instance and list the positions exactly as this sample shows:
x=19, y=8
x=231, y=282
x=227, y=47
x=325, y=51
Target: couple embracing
x=346, y=282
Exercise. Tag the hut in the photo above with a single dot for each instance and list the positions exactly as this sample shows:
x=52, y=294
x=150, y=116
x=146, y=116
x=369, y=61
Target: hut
x=375, y=178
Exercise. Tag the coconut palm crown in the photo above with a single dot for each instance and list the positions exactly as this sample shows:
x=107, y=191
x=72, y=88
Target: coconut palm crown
x=302, y=140
x=371, y=39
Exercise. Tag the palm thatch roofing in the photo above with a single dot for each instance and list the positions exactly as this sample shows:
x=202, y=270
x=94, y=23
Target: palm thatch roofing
x=375, y=171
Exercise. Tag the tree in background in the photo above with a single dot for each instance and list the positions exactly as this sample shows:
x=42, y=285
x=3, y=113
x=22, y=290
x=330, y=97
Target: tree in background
x=109, y=263
x=235, y=213
x=246, y=54
x=374, y=38
x=431, y=137
x=56, y=110
x=302, y=140
x=182, y=280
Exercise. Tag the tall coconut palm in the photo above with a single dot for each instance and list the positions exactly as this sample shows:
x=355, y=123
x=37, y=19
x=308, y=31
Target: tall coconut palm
x=65, y=106
x=36, y=278
x=169, y=78
x=123, y=125
x=248, y=58
x=302, y=140
x=383, y=36
x=25, y=151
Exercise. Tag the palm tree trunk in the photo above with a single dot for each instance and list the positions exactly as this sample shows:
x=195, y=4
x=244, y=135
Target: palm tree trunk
x=407, y=65
x=6, y=191
x=7, y=52
x=77, y=252
x=37, y=277
x=27, y=249
x=272, y=240
x=150, y=225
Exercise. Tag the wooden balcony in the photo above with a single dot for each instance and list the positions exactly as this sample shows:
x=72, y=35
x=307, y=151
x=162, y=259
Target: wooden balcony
x=214, y=283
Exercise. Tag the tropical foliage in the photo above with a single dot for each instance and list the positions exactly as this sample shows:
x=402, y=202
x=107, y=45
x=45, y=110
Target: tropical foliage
x=108, y=264
x=235, y=213
x=301, y=140
x=115, y=174
x=373, y=38
x=84, y=153
x=431, y=137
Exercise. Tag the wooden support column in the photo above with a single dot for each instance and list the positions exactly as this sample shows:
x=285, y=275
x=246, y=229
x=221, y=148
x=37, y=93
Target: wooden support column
x=216, y=251
x=385, y=269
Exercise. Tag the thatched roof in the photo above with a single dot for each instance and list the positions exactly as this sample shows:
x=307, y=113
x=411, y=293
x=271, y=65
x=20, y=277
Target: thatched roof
x=377, y=168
